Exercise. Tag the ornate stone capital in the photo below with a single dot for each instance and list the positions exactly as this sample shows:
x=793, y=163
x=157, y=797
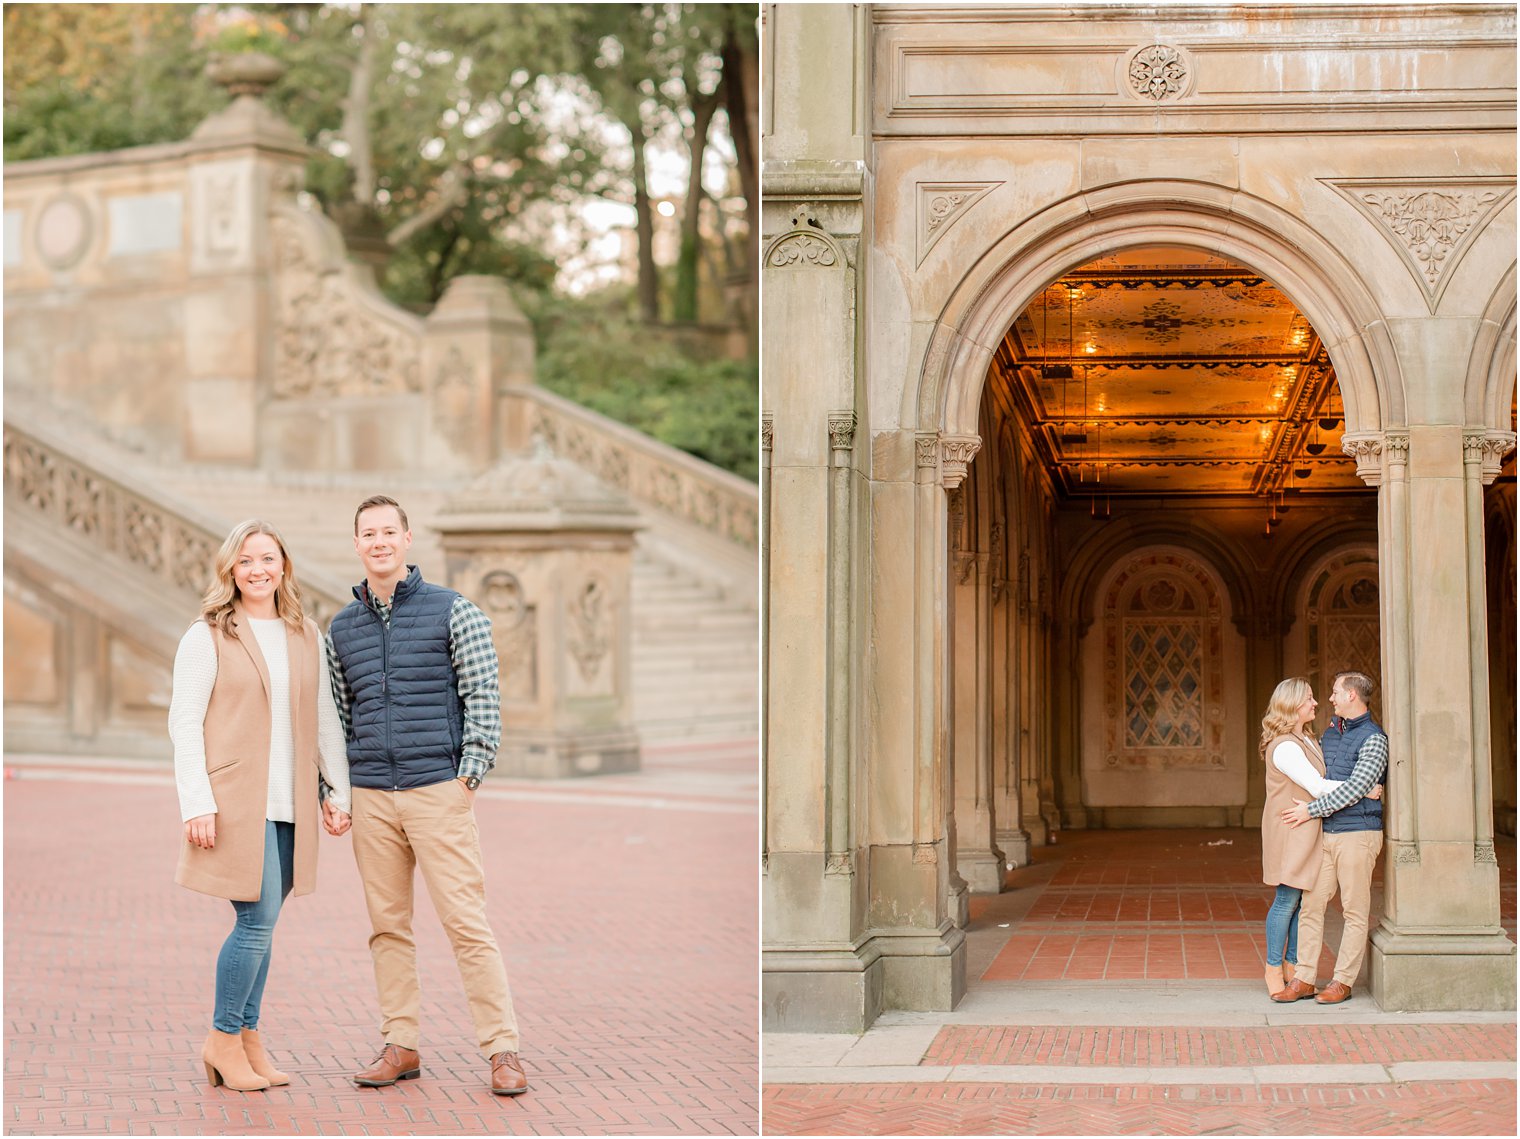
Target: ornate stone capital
x=1484, y=852
x=1375, y=452
x=926, y=448
x=1406, y=853
x=956, y=453
x=767, y=430
x=839, y=865
x=1487, y=449
x=841, y=430
x=925, y=853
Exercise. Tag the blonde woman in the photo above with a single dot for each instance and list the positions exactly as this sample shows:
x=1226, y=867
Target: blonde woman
x=1290, y=857
x=252, y=718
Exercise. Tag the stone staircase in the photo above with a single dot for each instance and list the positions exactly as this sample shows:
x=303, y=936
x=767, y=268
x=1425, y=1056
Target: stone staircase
x=695, y=655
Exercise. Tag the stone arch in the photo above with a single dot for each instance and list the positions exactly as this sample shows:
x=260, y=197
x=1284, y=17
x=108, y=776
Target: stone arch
x=1491, y=367
x=1210, y=218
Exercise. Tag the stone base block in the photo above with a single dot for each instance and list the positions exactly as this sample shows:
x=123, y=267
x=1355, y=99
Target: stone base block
x=1015, y=846
x=1442, y=972
x=923, y=972
x=1035, y=826
x=819, y=992
x=565, y=755
x=982, y=870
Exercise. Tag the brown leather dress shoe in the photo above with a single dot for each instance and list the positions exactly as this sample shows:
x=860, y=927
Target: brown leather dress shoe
x=507, y=1076
x=1334, y=993
x=1297, y=991
x=394, y=1063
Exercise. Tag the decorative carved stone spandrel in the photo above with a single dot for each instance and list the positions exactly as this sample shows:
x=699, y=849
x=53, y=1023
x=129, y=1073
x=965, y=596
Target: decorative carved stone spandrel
x=1430, y=223
x=941, y=205
x=804, y=249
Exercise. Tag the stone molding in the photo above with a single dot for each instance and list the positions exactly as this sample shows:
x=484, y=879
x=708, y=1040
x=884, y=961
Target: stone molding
x=942, y=204
x=1430, y=222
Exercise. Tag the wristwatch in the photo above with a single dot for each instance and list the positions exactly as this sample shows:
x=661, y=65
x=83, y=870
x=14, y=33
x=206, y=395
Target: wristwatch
x=472, y=781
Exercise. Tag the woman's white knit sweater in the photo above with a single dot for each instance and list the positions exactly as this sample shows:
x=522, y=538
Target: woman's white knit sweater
x=194, y=678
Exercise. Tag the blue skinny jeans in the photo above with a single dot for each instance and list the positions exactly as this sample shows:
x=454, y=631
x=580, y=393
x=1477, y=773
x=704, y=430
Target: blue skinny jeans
x=1282, y=925
x=242, y=967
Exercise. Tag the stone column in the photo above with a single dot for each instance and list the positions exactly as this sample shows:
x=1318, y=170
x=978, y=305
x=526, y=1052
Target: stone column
x=819, y=972
x=1263, y=633
x=1440, y=944
x=547, y=552
x=477, y=363
x=236, y=161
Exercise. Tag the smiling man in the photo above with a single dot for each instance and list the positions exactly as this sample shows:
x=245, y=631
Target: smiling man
x=414, y=674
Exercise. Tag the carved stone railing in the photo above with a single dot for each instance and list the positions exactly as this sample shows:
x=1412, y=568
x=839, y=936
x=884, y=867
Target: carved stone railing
x=124, y=521
x=653, y=474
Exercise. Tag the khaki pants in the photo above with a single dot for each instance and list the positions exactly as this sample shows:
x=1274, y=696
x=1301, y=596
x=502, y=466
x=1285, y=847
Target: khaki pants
x=1346, y=863
x=432, y=828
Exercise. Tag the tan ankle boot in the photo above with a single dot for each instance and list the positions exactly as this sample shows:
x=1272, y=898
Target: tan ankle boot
x=1275, y=982
x=227, y=1063
x=259, y=1059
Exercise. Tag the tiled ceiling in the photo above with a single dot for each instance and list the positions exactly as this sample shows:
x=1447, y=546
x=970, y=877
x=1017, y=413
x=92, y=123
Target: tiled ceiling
x=1168, y=371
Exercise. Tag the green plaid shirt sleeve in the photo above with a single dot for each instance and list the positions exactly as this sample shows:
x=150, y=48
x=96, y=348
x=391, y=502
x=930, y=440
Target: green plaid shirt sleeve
x=474, y=655
x=343, y=695
x=1371, y=762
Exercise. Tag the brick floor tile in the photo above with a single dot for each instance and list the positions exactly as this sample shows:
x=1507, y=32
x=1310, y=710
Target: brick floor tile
x=629, y=934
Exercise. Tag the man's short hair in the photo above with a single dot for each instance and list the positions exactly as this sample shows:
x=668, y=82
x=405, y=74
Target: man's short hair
x=1358, y=682
x=380, y=500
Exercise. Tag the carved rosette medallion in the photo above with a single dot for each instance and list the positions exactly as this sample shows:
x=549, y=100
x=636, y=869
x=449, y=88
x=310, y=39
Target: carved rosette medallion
x=941, y=205
x=1158, y=73
x=1430, y=223
x=957, y=451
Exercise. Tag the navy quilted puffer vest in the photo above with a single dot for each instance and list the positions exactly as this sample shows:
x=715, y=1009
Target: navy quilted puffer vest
x=1340, y=743
x=408, y=720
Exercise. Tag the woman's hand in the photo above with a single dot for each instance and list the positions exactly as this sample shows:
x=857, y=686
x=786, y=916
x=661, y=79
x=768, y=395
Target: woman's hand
x=201, y=831
x=1376, y=792
x=335, y=821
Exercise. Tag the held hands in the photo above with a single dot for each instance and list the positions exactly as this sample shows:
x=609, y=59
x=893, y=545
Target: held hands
x=201, y=831
x=1376, y=792
x=1296, y=814
x=335, y=821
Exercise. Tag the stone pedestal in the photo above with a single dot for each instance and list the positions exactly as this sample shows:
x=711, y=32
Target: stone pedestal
x=547, y=552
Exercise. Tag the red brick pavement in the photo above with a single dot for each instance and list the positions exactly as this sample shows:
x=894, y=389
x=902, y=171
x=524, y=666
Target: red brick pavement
x=630, y=937
x=1476, y=1107
x=1219, y=1047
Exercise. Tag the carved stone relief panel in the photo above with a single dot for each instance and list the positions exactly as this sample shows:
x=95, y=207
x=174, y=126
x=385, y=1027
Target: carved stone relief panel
x=328, y=343
x=514, y=625
x=1163, y=665
x=590, y=632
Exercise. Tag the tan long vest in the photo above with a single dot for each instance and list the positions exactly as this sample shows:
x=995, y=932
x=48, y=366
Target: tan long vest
x=1289, y=855
x=237, y=760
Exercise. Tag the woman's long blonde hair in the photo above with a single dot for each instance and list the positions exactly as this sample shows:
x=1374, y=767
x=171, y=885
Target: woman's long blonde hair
x=1282, y=710
x=216, y=604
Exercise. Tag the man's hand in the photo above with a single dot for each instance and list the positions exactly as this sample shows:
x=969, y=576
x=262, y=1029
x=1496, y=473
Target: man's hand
x=470, y=795
x=1296, y=814
x=1376, y=792
x=201, y=831
x=335, y=821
